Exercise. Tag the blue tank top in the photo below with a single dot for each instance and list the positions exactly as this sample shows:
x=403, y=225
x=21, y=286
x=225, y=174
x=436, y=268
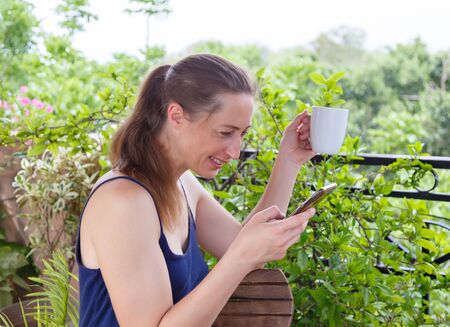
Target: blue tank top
x=185, y=271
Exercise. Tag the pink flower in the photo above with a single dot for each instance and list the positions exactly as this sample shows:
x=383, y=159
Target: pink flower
x=6, y=105
x=24, y=100
x=49, y=108
x=15, y=119
x=37, y=103
x=23, y=89
x=27, y=112
x=29, y=142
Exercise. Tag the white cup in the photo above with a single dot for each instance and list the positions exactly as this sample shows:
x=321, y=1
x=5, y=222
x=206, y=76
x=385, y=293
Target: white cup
x=328, y=127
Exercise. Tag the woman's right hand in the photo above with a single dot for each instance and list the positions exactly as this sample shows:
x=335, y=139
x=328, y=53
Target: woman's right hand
x=268, y=235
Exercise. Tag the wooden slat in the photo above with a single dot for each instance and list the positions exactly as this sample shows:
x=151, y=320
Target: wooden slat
x=267, y=307
x=265, y=275
x=281, y=292
x=253, y=321
x=263, y=298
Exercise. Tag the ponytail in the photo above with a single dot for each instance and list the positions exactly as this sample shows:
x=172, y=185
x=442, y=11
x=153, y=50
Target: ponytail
x=136, y=152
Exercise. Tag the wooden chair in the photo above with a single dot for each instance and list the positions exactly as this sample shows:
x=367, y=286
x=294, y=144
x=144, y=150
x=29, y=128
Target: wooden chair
x=263, y=298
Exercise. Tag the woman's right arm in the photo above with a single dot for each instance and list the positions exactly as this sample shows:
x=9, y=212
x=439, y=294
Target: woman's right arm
x=135, y=272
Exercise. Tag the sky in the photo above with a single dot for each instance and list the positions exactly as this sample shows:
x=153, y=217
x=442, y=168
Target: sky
x=274, y=24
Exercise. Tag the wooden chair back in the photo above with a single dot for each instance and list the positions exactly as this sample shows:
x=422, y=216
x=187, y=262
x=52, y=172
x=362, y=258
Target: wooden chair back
x=263, y=298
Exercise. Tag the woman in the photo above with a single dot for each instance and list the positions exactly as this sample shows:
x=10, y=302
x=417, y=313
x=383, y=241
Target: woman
x=139, y=236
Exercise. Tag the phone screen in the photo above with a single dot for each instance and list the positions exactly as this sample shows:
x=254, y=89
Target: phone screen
x=315, y=198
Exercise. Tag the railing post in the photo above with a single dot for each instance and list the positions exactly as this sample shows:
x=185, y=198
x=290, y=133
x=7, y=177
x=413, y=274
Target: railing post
x=426, y=297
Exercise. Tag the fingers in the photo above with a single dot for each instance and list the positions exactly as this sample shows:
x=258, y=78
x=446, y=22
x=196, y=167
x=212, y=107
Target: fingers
x=272, y=212
x=296, y=220
x=304, y=134
x=303, y=117
x=306, y=144
x=304, y=131
x=305, y=120
x=295, y=235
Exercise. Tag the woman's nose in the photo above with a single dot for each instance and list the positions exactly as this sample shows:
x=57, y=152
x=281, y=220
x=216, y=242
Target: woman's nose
x=234, y=149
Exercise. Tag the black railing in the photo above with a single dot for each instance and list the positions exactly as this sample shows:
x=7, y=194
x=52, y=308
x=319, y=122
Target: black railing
x=385, y=160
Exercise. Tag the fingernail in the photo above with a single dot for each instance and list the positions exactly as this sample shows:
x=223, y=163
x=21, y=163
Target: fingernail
x=312, y=211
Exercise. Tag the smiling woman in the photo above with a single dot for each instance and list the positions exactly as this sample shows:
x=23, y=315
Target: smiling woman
x=139, y=239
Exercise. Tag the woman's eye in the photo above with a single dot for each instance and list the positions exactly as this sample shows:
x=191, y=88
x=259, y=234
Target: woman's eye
x=226, y=133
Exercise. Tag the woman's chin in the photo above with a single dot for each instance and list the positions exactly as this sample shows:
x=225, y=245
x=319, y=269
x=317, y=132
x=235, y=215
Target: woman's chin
x=206, y=173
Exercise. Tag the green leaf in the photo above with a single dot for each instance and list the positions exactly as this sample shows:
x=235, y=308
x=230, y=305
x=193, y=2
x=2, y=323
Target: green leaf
x=346, y=247
x=337, y=90
x=397, y=299
x=256, y=188
x=37, y=149
x=418, y=147
x=328, y=97
x=365, y=295
x=427, y=267
x=357, y=265
x=302, y=259
x=337, y=76
x=317, y=78
x=54, y=148
x=330, y=287
x=222, y=195
x=336, y=103
x=428, y=233
x=427, y=245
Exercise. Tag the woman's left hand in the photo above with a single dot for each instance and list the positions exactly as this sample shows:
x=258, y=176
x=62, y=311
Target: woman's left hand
x=295, y=145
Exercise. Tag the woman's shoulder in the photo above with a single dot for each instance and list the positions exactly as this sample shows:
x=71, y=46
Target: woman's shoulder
x=115, y=196
x=117, y=185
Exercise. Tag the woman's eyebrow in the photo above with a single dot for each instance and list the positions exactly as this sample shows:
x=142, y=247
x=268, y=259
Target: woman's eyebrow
x=236, y=127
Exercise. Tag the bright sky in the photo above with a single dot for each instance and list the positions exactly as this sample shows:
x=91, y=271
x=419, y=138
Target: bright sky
x=275, y=24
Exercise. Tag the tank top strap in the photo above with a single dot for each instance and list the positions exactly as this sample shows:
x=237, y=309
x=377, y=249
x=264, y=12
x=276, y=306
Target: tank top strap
x=187, y=202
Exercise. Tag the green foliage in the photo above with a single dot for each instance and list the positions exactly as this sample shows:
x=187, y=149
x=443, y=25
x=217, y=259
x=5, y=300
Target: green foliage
x=436, y=106
x=75, y=12
x=407, y=68
x=340, y=46
x=392, y=131
x=40, y=126
x=57, y=304
x=54, y=188
x=12, y=261
x=250, y=56
x=331, y=91
x=16, y=27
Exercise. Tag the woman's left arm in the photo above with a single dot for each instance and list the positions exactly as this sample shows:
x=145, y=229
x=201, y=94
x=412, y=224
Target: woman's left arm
x=295, y=150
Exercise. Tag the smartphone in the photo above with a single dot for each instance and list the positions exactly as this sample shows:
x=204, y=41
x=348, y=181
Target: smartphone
x=318, y=196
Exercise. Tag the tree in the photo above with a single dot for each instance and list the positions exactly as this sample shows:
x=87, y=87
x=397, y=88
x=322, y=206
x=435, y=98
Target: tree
x=340, y=46
x=16, y=27
x=149, y=8
x=75, y=12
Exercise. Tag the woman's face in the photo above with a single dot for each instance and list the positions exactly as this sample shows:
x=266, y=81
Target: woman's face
x=213, y=140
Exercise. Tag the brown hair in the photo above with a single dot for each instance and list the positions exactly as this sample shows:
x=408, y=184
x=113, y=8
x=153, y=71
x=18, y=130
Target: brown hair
x=196, y=83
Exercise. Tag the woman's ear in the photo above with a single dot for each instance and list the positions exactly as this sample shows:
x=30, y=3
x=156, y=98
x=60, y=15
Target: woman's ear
x=175, y=114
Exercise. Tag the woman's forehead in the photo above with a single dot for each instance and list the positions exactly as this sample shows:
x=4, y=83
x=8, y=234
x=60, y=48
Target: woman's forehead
x=235, y=109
